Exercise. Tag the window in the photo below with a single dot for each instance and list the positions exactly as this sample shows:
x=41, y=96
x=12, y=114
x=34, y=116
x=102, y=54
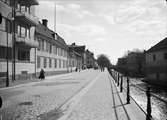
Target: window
x=28, y=9
x=165, y=56
x=38, y=62
x=28, y=33
x=22, y=8
x=45, y=63
x=50, y=63
x=43, y=45
x=18, y=30
x=157, y=76
x=3, y=53
x=23, y=32
x=59, y=63
x=23, y=55
x=8, y=26
x=54, y=50
x=40, y=44
x=18, y=7
x=154, y=57
x=57, y=51
x=55, y=63
x=50, y=48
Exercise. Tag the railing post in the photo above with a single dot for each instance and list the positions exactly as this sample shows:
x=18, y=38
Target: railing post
x=128, y=91
x=121, y=83
x=118, y=80
x=148, y=117
x=115, y=76
x=0, y=107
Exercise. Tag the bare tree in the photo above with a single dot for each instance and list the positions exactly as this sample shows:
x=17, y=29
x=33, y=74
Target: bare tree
x=103, y=61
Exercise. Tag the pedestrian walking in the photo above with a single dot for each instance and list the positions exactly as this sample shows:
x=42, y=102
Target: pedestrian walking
x=76, y=69
x=42, y=74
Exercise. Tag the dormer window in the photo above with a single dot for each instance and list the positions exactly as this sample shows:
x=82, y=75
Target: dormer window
x=53, y=35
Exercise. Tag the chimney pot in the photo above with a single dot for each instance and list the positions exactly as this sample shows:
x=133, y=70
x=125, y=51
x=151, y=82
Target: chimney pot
x=45, y=22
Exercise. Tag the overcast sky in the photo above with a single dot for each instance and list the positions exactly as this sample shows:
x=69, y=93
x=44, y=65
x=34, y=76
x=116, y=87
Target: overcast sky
x=107, y=26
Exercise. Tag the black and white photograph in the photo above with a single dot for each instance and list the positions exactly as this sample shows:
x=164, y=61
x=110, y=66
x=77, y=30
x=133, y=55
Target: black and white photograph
x=83, y=59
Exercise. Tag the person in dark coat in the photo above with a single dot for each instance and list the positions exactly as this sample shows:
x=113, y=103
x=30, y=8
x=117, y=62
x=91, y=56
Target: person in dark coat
x=42, y=74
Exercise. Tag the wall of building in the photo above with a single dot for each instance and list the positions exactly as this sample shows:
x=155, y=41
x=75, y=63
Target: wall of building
x=56, y=54
x=156, y=67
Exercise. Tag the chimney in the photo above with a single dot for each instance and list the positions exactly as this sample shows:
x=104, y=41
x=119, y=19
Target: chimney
x=73, y=44
x=45, y=22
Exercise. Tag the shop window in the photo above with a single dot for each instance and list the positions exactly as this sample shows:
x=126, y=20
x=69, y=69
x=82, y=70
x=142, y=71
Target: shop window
x=23, y=55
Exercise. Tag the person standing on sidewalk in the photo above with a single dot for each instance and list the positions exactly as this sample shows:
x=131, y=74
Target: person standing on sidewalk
x=42, y=74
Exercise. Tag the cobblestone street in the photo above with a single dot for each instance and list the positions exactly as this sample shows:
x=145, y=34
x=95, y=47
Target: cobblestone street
x=102, y=102
x=85, y=95
x=29, y=101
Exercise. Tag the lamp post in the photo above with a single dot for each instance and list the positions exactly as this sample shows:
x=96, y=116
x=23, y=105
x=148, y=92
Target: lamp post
x=9, y=18
x=7, y=57
x=13, y=42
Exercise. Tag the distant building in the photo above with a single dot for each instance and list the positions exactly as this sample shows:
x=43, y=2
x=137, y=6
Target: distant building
x=19, y=51
x=132, y=64
x=156, y=63
x=52, y=53
x=121, y=61
x=89, y=59
x=135, y=63
x=76, y=56
x=74, y=59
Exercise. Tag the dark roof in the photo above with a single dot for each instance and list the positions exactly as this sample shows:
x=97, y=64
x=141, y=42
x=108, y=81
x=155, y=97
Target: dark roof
x=79, y=49
x=45, y=32
x=159, y=46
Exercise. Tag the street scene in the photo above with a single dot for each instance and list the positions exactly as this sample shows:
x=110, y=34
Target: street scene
x=83, y=60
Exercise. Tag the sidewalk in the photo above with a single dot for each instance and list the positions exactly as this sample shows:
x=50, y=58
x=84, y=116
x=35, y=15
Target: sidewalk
x=20, y=83
x=101, y=102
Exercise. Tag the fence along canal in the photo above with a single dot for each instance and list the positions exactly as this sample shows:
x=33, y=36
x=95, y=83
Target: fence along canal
x=148, y=100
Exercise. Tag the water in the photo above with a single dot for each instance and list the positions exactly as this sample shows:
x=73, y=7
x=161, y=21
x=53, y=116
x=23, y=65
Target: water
x=159, y=108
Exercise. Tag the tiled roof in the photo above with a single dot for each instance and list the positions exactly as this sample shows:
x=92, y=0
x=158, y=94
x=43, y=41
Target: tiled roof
x=77, y=48
x=159, y=46
x=45, y=31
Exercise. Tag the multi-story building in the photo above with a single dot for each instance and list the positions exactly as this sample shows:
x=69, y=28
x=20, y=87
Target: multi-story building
x=52, y=53
x=76, y=56
x=17, y=44
x=75, y=59
x=156, y=63
x=135, y=63
x=89, y=59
